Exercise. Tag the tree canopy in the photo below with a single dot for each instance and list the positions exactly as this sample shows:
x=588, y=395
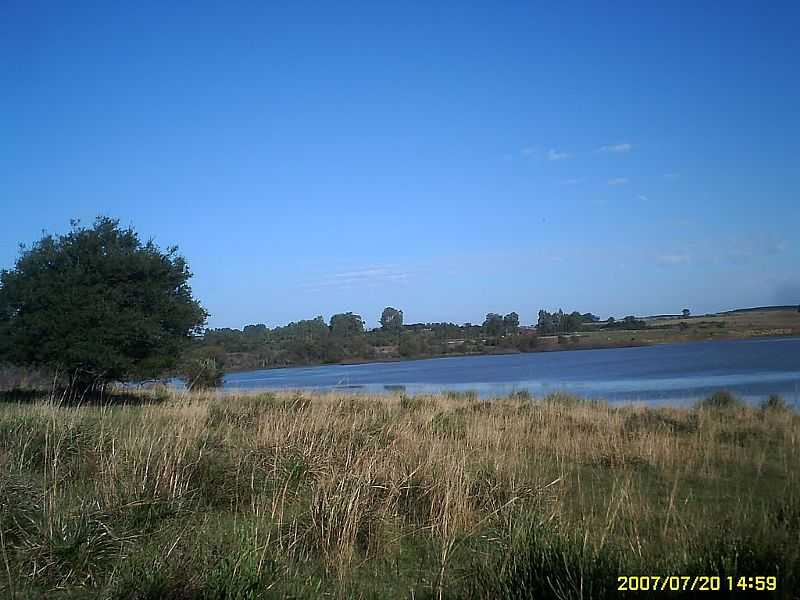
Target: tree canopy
x=346, y=325
x=345, y=338
x=493, y=324
x=559, y=322
x=97, y=304
x=497, y=325
x=391, y=319
x=511, y=323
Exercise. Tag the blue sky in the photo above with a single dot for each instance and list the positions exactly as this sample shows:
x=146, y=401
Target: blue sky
x=449, y=159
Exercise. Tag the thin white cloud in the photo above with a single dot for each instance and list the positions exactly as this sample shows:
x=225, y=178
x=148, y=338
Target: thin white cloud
x=642, y=197
x=364, y=273
x=615, y=148
x=618, y=181
x=671, y=175
x=744, y=249
x=673, y=259
x=553, y=154
x=571, y=181
x=737, y=251
x=527, y=151
x=370, y=277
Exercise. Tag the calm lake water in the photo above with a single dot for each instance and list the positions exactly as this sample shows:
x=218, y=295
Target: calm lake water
x=673, y=373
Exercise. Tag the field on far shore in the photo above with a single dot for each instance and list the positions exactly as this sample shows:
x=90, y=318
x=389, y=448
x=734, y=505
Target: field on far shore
x=198, y=495
x=722, y=326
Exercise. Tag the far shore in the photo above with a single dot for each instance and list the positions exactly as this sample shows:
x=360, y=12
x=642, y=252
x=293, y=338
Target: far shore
x=506, y=351
x=498, y=352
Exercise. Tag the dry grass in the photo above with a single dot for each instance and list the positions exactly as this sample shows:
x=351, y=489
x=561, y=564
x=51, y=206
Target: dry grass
x=289, y=495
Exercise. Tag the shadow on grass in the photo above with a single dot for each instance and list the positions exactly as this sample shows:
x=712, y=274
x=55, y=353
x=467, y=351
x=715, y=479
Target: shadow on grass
x=22, y=396
x=94, y=398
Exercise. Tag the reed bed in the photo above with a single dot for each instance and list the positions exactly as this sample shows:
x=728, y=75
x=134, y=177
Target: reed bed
x=298, y=495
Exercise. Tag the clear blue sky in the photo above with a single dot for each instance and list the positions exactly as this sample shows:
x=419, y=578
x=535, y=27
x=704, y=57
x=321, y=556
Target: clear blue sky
x=448, y=159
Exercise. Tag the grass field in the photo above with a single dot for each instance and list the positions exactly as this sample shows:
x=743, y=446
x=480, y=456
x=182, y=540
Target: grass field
x=305, y=496
x=723, y=326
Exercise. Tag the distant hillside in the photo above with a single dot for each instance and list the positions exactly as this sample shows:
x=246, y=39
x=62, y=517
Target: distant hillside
x=726, y=312
x=759, y=308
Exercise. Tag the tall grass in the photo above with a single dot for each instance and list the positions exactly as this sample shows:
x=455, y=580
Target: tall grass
x=200, y=495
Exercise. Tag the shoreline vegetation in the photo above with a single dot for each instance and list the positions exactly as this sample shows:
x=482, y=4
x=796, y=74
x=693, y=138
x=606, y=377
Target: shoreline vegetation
x=394, y=359
x=313, y=343
x=180, y=494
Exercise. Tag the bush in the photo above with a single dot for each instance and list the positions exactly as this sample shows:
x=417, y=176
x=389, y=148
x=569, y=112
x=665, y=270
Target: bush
x=203, y=374
x=774, y=403
x=721, y=400
x=521, y=395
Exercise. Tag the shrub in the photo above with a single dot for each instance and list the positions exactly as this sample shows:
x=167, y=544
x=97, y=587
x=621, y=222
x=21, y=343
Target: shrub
x=521, y=395
x=721, y=400
x=203, y=374
x=774, y=403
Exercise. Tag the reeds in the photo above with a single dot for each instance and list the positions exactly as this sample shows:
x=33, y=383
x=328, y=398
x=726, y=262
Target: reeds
x=272, y=495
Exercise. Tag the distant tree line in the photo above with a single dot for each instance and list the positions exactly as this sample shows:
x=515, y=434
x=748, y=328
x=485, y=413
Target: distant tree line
x=561, y=322
x=345, y=338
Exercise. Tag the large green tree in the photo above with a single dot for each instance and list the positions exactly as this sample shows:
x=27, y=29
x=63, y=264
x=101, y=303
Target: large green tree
x=493, y=324
x=97, y=304
x=391, y=319
x=511, y=323
x=346, y=325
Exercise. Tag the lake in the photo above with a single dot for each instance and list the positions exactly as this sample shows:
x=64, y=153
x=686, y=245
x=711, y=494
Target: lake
x=670, y=373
